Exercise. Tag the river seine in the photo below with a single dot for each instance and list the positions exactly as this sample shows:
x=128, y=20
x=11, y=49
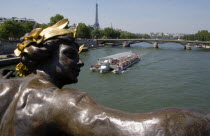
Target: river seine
x=166, y=77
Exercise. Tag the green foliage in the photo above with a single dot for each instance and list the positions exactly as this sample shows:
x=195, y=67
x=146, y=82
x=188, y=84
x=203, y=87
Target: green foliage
x=163, y=37
x=96, y=33
x=43, y=26
x=13, y=30
x=189, y=37
x=55, y=19
x=28, y=26
x=202, y=35
x=145, y=36
x=83, y=31
x=127, y=35
x=104, y=37
x=111, y=33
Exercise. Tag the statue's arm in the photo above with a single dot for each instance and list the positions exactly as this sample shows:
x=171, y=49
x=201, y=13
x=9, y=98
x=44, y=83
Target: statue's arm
x=84, y=116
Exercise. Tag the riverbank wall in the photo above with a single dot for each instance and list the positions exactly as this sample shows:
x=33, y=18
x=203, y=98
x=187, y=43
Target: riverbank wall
x=7, y=53
x=7, y=47
x=87, y=42
x=9, y=61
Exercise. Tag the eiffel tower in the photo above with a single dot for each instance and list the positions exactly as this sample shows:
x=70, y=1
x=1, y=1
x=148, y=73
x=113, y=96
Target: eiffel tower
x=96, y=25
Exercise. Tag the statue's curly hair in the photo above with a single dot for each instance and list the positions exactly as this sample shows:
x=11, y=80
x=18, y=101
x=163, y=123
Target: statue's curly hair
x=38, y=53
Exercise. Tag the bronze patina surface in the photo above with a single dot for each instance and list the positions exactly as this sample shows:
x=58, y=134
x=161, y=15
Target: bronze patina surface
x=36, y=105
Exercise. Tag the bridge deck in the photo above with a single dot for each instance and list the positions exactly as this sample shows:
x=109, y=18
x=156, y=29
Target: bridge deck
x=156, y=40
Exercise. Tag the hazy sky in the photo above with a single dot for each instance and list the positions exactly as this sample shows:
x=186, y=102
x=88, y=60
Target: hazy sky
x=137, y=16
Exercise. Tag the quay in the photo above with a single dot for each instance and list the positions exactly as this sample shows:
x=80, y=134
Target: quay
x=10, y=59
x=7, y=56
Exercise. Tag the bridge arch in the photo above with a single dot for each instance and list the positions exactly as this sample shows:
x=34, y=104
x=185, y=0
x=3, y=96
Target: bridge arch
x=143, y=44
x=127, y=42
x=173, y=45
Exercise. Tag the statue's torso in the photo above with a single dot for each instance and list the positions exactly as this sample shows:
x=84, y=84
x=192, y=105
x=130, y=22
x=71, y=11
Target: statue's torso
x=25, y=108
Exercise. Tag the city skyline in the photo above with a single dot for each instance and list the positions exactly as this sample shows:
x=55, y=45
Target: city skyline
x=168, y=16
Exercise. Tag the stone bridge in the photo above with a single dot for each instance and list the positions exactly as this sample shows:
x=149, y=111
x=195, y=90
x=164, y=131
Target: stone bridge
x=127, y=42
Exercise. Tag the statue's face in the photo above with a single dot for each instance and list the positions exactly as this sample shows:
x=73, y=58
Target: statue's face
x=68, y=63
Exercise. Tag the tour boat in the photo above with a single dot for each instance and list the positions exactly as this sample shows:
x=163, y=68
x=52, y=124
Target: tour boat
x=116, y=63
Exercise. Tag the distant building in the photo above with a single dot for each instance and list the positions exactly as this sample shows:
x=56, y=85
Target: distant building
x=73, y=26
x=2, y=20
x=21, y=20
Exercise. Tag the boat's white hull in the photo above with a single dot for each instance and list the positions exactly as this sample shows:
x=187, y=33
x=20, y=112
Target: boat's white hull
x=116, y=63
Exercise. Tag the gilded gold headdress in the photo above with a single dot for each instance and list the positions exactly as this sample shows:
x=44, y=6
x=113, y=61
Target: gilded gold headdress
x=40, y=35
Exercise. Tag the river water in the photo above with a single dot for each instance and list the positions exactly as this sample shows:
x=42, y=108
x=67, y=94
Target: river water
x=166, y=77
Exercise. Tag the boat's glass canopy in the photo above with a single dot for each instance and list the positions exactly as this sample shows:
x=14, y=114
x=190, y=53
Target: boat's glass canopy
x=117, y=56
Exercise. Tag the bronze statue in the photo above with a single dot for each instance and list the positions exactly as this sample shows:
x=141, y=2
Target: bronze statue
x=37, y=106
